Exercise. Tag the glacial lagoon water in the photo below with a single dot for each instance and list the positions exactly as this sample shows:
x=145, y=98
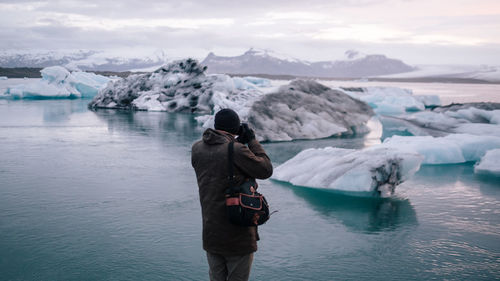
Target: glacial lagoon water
x=111, y=195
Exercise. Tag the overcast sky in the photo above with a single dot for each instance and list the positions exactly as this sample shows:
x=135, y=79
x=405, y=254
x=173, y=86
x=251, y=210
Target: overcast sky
x=416, y=31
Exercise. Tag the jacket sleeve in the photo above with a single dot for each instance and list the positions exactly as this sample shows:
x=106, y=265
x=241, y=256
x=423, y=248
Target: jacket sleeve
x=252, y=160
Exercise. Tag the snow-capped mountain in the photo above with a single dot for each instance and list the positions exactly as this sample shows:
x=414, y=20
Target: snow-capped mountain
x=83, y=59
x=256, y=61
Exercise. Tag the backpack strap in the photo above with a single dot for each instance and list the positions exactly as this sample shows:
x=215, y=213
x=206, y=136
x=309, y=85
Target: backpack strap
x=230, y=153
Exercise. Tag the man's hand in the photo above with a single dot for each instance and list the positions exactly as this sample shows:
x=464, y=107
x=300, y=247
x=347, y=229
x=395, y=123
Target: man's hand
x=246, y=134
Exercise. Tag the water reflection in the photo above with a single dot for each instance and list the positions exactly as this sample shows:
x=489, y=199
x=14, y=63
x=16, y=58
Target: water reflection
x=159, y=124
x=445, y=174
x=464, y=173
x=40, y=112
x=163, y=125
x=56, y=111
x=359, y=214
x=488, y=185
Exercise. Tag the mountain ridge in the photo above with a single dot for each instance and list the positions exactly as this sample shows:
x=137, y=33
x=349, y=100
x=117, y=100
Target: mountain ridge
x=261, y=61
x=88, y=60
x=355, y=65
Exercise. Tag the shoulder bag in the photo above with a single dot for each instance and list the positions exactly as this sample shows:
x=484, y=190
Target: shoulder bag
x=244, y=205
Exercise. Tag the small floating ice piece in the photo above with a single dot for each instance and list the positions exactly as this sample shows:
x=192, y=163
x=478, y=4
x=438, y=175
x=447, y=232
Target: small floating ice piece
x=452, y=149
x=390, y=100
x=490, y=164
x=259, y=82
x=478, y=129
x=472, y=121
x=429, y=100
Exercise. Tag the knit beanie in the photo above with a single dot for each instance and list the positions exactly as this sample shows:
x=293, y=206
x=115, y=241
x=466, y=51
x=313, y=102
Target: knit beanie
x=227, y=120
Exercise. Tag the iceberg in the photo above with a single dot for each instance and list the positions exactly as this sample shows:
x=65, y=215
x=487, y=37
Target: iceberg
x=305, y=109
x=300, y=110
x=451, y=149
x=260, y=82
x=375, y=170
x=58, y=82
x=412, y=126
x=474, y=147
x=54, y=74
x=478, y=129
x=481, y=119
x=180, y=86
x=392, y=100
x=429, y=101
x=239, y=98
x=39, y=89
x=478, y=105
x=3, y=78
x=439, y=122
x=380, y=168
x=87, y=84
x=476, y=115
x=489, y=164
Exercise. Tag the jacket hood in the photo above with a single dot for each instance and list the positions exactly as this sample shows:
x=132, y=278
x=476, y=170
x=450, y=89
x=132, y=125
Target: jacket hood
x=211, y=136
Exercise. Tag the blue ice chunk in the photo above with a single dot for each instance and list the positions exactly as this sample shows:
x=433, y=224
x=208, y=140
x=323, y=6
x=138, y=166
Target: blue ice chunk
x=451, y=149
x=58, y=82
x=257, y=81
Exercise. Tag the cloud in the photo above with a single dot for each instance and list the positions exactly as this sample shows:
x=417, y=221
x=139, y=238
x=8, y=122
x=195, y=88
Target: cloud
x=197, y=27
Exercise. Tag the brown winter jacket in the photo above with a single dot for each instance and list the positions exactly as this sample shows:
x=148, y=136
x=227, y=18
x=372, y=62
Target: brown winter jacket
x=209, y=158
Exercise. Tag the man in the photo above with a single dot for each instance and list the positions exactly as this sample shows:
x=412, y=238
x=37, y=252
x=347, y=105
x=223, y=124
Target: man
x=229, y=247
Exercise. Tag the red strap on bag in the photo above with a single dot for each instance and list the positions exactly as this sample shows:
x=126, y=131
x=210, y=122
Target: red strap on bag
x=232, y=201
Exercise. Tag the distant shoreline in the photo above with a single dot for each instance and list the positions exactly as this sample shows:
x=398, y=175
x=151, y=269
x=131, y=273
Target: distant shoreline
x=34, y=72
x=375, y=79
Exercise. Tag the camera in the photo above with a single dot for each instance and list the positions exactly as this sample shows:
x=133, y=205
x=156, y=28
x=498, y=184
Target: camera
x=242, y=129
x=245, y=134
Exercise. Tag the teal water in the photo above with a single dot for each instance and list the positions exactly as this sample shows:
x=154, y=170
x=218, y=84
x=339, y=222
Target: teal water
x=111, y=195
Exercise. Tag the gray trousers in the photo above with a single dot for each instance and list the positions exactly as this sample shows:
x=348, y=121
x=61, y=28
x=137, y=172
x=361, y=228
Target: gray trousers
x=229, y=268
